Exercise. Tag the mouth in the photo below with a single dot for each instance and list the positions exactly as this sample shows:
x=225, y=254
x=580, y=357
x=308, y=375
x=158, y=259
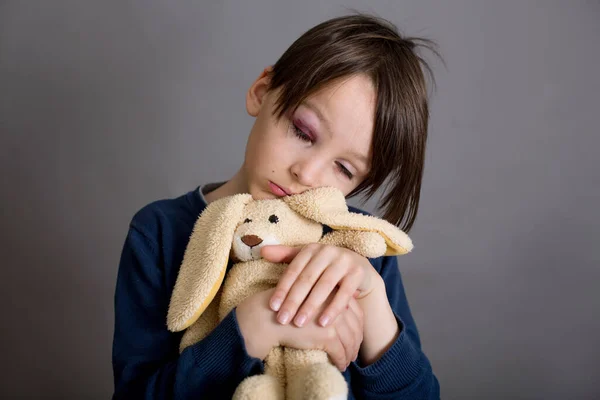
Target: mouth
x=278, y=190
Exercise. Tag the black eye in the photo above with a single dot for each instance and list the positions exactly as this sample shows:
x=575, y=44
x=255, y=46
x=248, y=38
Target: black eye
x=273, y=219
x=247, y=220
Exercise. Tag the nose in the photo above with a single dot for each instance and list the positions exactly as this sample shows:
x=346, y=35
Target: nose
x=251, y=240
x=308, y=172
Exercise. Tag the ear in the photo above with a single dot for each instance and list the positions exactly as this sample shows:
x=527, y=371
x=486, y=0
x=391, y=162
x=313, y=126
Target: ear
x=205, y=260
x=327, y=206
x=256, y=94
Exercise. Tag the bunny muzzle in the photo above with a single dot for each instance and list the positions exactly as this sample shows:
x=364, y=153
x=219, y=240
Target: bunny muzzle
x=247, y=247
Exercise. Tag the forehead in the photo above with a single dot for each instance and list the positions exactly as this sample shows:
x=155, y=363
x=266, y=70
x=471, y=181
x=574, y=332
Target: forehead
x=346, y=110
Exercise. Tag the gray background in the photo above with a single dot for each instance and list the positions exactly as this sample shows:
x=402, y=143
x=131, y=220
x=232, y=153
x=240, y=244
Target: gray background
x=106, y=106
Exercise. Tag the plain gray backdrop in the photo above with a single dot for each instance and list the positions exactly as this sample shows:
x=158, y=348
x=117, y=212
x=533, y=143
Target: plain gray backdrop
x=107, y=106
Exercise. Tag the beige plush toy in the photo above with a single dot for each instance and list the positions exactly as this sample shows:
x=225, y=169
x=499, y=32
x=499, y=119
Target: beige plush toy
x=239, y=226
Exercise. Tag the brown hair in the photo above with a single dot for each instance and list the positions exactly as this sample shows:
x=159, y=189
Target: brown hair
x=363, y=44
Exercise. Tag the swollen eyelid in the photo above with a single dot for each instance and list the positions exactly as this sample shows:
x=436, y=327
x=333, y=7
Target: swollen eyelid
x=300, y=134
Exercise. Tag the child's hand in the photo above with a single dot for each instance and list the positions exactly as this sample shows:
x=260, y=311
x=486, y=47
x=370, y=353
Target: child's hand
x=257, y=324
x=314, y=272
x=261, y=332
x=341, y=340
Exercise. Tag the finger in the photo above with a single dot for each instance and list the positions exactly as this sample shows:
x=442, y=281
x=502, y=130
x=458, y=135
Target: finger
x=345, y=330
x=321, y=291
x=347, y=288
x=355, y=321
x=302, y=286
x=356, y=310
x=279, y=253
x=336, y=351
x=289, y=276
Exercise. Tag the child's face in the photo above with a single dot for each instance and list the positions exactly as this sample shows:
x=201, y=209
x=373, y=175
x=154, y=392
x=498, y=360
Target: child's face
x=325, y=142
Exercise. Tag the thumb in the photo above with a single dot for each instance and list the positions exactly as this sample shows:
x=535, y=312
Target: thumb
x=279, y=253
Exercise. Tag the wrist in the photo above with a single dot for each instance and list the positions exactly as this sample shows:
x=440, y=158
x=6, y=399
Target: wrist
x=377, y=289
x=380, y=328
x=376, y=302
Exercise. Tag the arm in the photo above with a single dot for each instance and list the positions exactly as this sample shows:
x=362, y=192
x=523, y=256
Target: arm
x=392, y=365
x=146, y=359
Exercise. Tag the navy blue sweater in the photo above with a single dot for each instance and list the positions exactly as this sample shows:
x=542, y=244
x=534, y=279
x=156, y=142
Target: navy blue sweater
x=146, y=359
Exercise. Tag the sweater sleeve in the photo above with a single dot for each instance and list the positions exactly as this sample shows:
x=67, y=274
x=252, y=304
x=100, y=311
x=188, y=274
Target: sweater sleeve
x=403, y=372
x=146, y=359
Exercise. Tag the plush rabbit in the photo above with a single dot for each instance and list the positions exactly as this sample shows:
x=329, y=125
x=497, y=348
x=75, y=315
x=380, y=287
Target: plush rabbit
x=239, y=226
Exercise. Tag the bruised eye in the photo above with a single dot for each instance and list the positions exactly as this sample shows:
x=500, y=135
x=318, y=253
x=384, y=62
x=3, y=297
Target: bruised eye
x=307, y=138
x=247, y=220
x=300, y=134
x=273, y=219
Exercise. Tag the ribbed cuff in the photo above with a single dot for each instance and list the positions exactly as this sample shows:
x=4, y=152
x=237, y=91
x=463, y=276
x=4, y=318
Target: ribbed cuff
x=396, y=369
x=225, y=352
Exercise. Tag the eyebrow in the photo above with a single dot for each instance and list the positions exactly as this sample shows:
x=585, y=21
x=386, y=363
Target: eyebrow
x=314, y=108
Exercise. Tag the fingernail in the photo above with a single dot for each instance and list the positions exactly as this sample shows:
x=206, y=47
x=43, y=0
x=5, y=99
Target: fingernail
x=324, y=320
x=300, y=319
x=283, y=317
x=275, y=304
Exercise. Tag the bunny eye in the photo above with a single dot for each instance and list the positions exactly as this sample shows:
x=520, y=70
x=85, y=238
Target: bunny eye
x=247, y=220
x=273, y=219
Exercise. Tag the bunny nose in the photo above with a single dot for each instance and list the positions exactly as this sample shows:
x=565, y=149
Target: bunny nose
x=251, y=240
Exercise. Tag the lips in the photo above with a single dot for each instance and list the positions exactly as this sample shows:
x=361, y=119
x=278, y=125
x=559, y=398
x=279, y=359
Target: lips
x=278, y=190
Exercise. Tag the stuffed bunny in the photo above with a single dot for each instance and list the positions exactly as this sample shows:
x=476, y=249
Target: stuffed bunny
x=239, y=226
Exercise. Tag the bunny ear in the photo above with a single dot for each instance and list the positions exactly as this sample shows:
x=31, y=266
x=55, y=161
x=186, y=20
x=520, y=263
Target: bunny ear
x=327, y=206
x=396, y=240
x=316, y=204
x=205, y=260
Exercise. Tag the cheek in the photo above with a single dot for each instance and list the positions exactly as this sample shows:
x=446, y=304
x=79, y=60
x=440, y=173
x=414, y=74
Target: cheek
x=278, y=155
x=278, y=144
x=272, y=146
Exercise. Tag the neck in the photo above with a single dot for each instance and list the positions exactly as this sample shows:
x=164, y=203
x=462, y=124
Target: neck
x=237, y=184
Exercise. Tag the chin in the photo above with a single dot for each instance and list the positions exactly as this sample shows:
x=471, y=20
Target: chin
x=263, y=196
